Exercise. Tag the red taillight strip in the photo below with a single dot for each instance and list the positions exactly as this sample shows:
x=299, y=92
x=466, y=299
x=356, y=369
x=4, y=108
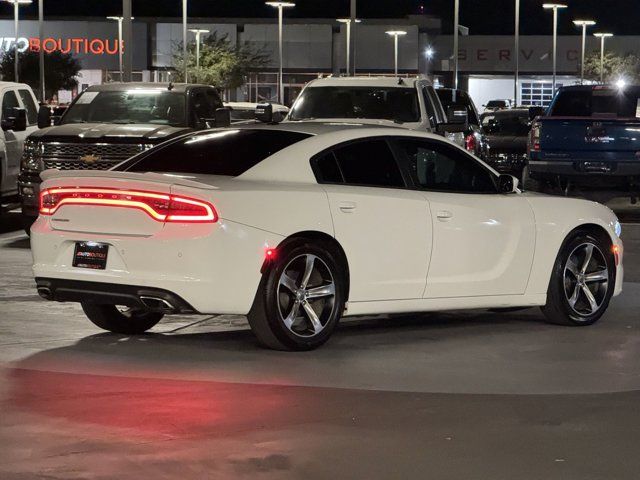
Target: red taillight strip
x=159, y=206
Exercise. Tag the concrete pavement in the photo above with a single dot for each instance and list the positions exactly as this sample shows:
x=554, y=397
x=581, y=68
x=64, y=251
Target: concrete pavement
x=449, y=396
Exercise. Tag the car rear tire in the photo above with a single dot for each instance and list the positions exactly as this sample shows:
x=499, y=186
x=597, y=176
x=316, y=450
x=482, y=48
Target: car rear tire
x=582, y=281
x=115, y=319
x=300, y=298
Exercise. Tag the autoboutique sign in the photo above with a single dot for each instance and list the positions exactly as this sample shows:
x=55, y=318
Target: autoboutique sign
x=75, y=46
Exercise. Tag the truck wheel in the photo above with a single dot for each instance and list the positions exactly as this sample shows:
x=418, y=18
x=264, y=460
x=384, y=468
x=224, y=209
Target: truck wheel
x=123, y=320
x=529, y=184
x=582, y=281
x=27, y=221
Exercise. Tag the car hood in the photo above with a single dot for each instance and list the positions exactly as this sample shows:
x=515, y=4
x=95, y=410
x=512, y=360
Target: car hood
x=108, y=132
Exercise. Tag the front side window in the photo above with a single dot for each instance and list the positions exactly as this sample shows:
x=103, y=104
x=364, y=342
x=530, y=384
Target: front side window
x=365, y=163
x=154, y=106
x=223, y=152
x=9, y=102
x=384, y=103
x=29, y=105
x=439, y=167
x=205, y=103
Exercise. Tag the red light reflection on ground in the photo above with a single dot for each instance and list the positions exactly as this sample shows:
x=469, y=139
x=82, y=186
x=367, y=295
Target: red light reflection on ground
x=147, y=405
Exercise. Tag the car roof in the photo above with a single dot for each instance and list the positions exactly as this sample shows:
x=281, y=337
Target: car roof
x=120, y=86
x=597, y=87
x=314, y=128
x=363, y=82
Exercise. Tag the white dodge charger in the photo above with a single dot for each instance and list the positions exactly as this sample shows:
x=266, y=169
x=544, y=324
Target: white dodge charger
x=297, y=225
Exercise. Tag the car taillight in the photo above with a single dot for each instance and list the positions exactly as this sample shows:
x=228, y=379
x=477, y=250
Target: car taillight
x=159, y=206
x=535, y=138
x=470, y=143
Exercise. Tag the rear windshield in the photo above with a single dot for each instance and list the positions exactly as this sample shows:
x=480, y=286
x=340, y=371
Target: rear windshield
x=383, y=103
x=222, y=152
x=608, y=102
x=507, y=123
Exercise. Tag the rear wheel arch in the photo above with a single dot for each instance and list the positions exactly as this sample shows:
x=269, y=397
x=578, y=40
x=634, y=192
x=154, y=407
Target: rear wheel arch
x=321, y=238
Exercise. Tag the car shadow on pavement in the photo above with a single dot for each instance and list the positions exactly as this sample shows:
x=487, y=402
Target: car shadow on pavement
x=415, y=331
x=10, y=222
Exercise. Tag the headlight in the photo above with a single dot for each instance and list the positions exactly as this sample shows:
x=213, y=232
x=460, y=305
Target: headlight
x=31, y=156
x=617, y=228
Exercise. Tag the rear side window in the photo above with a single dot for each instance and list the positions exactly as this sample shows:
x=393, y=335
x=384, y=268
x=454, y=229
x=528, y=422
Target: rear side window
x=366, y=163
x=225, y=152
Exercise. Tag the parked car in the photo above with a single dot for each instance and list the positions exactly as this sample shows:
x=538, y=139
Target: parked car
x=109, y=123
x=246, y=111
x=298, y=224
x=506, y=133
x=410, y=103
x=472, y=137
x=493, y=105
x=19, y=118
x=587, y=140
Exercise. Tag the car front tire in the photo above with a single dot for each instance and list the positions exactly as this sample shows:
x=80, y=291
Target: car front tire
x=121, y=320
x=300, y=298
x=582, y=281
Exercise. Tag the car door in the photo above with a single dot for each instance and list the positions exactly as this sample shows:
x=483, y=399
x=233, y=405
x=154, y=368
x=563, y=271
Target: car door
x=384, y=228
x=14, y=141
x=483, y=241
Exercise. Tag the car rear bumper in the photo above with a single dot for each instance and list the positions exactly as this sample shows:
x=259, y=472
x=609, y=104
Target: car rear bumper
x=619, y=171
x=147, y=298
x=214, y=269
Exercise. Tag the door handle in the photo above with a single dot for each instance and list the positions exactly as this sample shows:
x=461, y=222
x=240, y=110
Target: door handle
x=347, y=207
x=444, y=215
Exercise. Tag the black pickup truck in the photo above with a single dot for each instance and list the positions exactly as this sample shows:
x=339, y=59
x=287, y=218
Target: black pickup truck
x=109, y=123
x=588, y=139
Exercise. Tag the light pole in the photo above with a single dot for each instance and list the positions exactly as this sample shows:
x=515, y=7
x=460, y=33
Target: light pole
x=395, y=34
x=584, y=24
x=555, y=7
x=280, y=6
x=127, y=41
x=456, y=27
x=43, y=93
x=429, y=53
x=120, y=46
x=16, y=21
x=516, y=49
x=347, y=22
x=602, y=36
x=198, y=32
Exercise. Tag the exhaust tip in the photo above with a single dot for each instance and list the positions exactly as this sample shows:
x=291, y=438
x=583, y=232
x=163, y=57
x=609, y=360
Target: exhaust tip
x=45, y=292
x=157, y=304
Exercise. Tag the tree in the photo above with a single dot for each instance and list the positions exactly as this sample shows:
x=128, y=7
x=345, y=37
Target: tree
x=616, y=67
x=222, y=64
x=60, y=70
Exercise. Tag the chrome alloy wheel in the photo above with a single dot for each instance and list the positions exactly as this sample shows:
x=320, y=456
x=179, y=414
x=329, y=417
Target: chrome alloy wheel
x=586, y=279
x=306, y=295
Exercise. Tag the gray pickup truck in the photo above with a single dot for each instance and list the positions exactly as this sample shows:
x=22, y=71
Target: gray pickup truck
x=109, y=123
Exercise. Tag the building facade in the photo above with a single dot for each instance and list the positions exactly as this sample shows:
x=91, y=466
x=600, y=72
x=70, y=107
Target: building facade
x=316, y=47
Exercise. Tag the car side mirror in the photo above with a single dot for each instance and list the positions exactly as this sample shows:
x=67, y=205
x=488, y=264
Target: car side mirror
x=264, y=113
x=223, y=117
x=17, y=122
x=507, y=184
x=457, y=114
x=44, y=116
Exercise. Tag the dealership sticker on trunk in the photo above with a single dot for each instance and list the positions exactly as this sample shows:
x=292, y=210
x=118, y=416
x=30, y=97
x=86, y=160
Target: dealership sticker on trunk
x=90, y=255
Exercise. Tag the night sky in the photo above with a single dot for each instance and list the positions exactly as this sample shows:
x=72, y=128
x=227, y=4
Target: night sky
x=482, y=16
